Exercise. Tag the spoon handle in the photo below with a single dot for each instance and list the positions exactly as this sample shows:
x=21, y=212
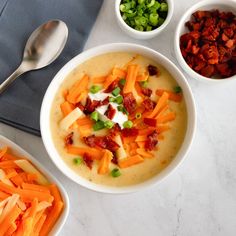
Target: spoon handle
x=4, y=85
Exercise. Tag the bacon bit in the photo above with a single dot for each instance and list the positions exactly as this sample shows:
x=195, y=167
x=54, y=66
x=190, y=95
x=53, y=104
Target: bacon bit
x=69, y=139
x=115, y=130
x=150, y=121
x=110, y=144
x=223, y=69
x=129, y=102
x=229, y=43
x=114, y=159
x=112, y=86
x=210, y=42
x=207, y=71
x=146, y=92
x=88, y=160
x=80, y=106
x=152, y=70
x=90, y=140
x=129, y=132
x=151, y=141
x=110, y=112
x=105, y=101
x=148, y=104
x=104, y=142
x=90, y=106
x=224, y=37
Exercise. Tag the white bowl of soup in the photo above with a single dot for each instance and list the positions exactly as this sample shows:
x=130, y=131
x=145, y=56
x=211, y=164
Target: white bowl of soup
x=118, y=118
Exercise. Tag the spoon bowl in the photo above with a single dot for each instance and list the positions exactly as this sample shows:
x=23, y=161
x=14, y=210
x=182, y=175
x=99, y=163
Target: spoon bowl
x=44, y=45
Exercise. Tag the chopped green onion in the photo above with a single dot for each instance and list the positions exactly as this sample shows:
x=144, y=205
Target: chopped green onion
x=144, y=84
x=98, y=125
x=119, y=99
x=111, y=99
x=108, y=124
x=138, y=115
x=95, y=89
x=153, y=19
x=125, y=7
x=160, y=21
x=141, y=21
x=144, y=15
x=139, y=27
x=156, y=6
x=128, y=124
x=130, y=14
x=122, y=82
x=148, y=28
x=150, y=3
x=78, y=160
x=94, y=116
x=115, y=173
x=141, y=1
x=116, y=91
x=122, y=109
x=164, y=6
x=177, y=89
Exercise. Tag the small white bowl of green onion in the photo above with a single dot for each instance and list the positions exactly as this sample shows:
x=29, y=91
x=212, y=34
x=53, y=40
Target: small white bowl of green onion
x=143, y=19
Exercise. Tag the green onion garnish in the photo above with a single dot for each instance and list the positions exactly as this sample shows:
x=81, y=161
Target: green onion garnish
x=164, y=7
x=119, y=99
x=144, y=15
x=150, y=3
x=95, y=89
x=138, y=115
x=177, y=89
x=94, y=116
x=144, y=83
x=116, y=91
x=98, y=125
x=141, y=1
x=108, y=124
x=122, y=82
x=111, y=99
x=153, y=19
x=115, y=173
x=148, y=28
x=78, y=160
x=128, y=124
x=122, y=109
x=160, y=21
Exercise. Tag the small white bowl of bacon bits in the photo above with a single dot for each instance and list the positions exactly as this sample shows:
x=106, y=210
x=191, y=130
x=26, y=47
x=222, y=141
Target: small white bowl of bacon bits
x=118, y=118
x=32, y=201
x=205, y=41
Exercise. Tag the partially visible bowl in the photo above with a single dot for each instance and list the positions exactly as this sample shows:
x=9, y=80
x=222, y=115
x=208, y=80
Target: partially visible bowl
x=229, y=5
x=20, y=152
x=45, y=120
x=143, y=34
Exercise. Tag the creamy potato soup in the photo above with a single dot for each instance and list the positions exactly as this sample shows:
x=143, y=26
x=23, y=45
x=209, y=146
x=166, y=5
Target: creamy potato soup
x=150, y=123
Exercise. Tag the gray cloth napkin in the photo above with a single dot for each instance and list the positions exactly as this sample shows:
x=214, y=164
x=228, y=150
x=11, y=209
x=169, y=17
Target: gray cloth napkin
x=20, y=104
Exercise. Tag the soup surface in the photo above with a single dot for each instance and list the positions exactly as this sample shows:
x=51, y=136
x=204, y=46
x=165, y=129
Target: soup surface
x=169, y=142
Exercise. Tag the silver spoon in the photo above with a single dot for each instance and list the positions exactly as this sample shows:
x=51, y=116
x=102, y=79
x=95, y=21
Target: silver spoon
x=42, y=48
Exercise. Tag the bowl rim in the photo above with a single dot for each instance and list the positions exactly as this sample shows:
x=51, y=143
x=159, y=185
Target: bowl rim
x=145, y=33
x=20, y=151
x=183, y=19
x=72, y=64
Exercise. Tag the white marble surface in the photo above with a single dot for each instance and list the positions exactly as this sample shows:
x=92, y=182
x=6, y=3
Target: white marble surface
x=197, y=199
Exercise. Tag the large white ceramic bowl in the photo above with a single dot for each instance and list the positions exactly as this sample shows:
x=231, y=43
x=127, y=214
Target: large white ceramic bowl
x=58, y=80
x=221, y=5
x=145, y=34
x=20, y=152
